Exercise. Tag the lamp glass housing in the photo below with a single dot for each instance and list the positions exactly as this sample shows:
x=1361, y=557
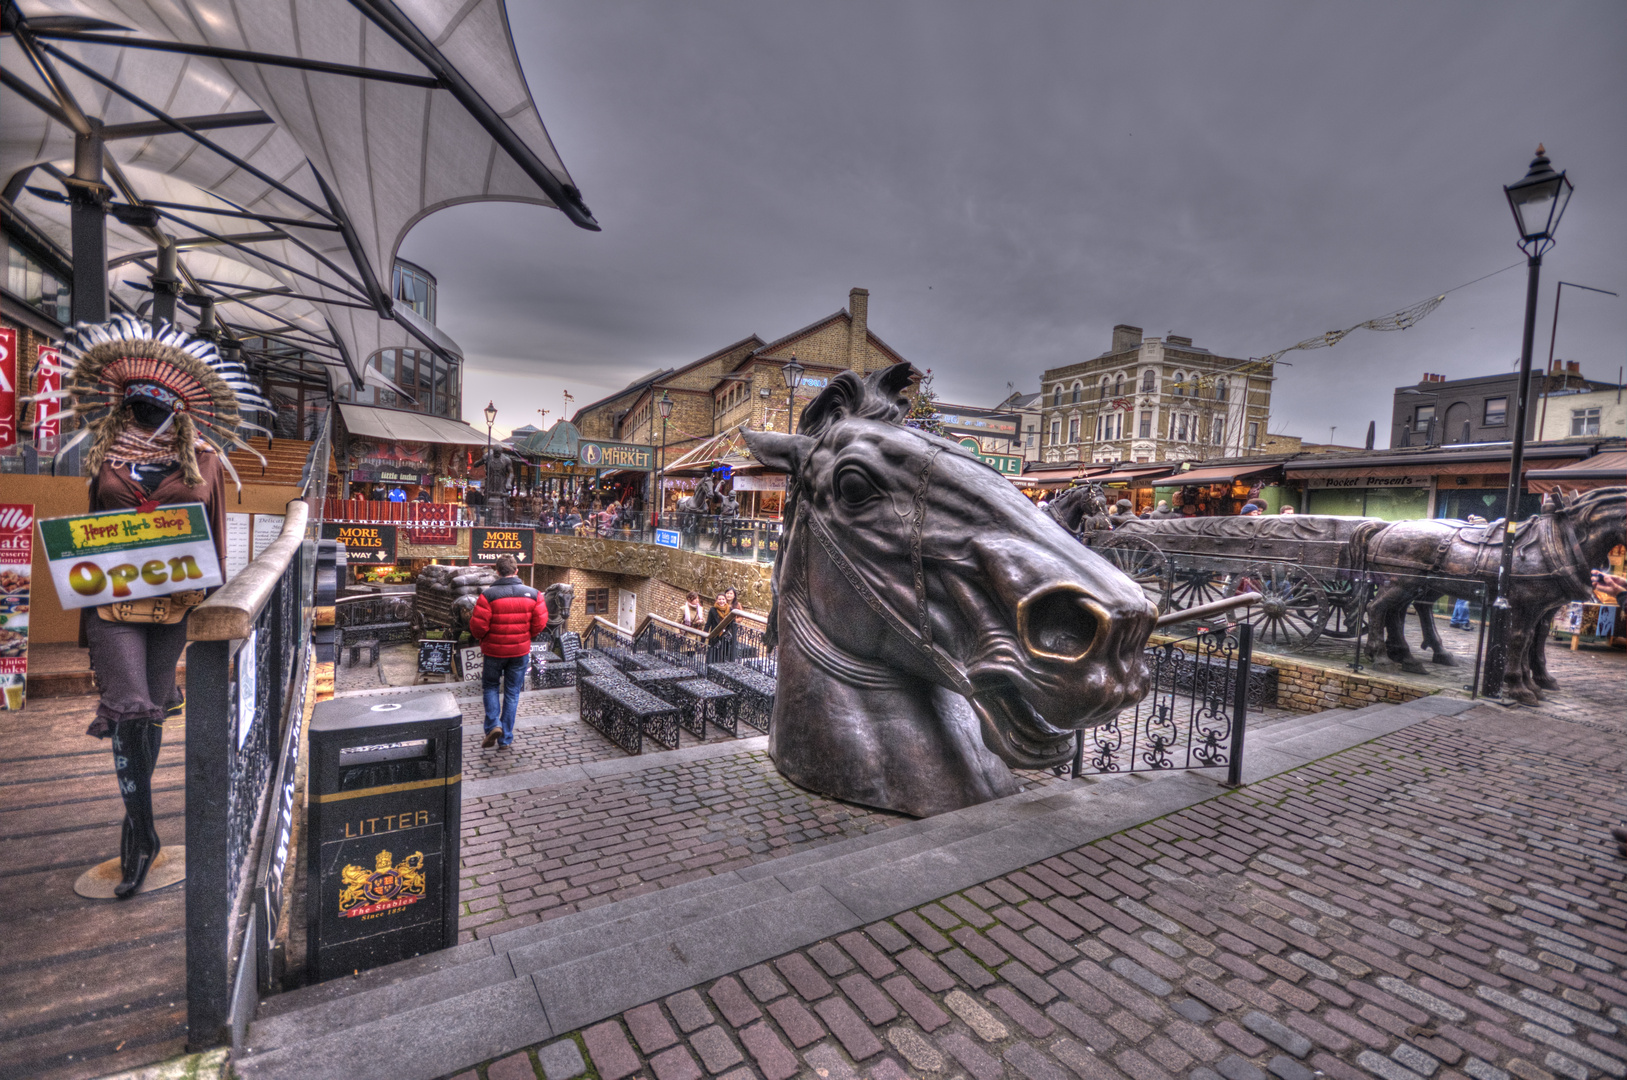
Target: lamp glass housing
x=1539, y=200
x=793, y=374
x=664, y=404
x=491, y=413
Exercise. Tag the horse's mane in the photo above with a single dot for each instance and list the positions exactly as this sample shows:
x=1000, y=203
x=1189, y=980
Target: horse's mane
x=879, y=395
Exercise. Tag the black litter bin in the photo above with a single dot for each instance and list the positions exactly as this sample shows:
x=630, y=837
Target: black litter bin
x=384, y=815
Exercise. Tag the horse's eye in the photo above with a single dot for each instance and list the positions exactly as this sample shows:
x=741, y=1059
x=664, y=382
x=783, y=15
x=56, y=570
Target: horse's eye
x=854, y=487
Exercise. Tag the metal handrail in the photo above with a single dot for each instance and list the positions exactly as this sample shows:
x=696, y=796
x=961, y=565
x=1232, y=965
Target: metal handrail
x=1203, y=611
x=229, y=614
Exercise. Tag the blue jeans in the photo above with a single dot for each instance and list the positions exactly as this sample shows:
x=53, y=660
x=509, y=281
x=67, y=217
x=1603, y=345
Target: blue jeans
x=1460, y=614
x=507, y=672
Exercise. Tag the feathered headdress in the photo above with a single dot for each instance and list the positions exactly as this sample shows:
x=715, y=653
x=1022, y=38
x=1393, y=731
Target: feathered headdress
x=105, y=366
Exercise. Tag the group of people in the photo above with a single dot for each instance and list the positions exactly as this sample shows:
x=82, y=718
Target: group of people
x=588, y=521
x=698, y=616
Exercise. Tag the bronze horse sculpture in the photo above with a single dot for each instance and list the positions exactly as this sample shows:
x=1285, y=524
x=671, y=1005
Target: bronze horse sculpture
x=1080, y=509
x=709, y=498
x=935, y=630
x=1553, y=553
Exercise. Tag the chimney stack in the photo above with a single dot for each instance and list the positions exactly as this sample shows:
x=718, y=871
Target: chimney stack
x=858, y=332
x=1573, y=367
x=1126, y=338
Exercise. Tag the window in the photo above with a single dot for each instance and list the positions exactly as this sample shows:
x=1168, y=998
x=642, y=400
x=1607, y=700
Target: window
x=1253, y=434
x=1056, y=395
x=1217, y=430
x=1056, y=432
x=1030, y=434
x=1423, y=414
x=597, y=602
x=33, y=284
x=1118, y=387
x=1149, y=381
x=1078, y=392
x=1180, y=384
x=1180, y=427
x=1220, y=389
x=1584, y=421
x=414, y=287
x=1146, y=422
x=1073, y=430
x=1496, y=411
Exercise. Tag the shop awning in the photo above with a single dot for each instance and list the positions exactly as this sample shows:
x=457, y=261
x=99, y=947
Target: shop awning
x=1608, y=469
x=725, y=447
x=1219, y=475
x=398, y=426
x=1132, y=476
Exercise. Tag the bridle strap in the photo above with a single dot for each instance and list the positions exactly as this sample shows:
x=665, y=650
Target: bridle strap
x=917, y=530
x=895, y=622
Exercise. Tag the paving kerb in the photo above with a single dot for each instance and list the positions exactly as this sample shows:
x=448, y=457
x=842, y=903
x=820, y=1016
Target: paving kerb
x=1056, y=824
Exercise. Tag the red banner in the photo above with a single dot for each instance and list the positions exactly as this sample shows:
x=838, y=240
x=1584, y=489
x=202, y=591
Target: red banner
x=8, y=388
x=47, y=414
x=16, y=567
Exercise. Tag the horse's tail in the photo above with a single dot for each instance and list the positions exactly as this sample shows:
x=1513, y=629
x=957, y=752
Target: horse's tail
x=1362, y=540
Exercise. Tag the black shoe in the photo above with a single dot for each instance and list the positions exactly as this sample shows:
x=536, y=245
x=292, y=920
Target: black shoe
x=135, y=751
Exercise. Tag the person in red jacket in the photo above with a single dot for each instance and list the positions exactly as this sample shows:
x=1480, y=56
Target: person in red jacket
x=506, y=617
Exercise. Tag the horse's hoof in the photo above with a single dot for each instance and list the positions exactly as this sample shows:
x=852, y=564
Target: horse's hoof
x=1413, y=667
x=1446, y=659
x=1521, y=695
x=1546, y=682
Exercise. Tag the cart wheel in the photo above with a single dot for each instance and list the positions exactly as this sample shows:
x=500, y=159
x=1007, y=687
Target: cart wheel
x=1293, y=608
x=416, y=620
x=1142, y=562
x=1344, y=609
x=1193, y=586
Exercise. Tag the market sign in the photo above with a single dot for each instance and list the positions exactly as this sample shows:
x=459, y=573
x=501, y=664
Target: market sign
x=1005, y=464
x=47, y=414
x=123, y=555
x=1369, y=481
x=605, y=455
x=364, y=544
x=391, y=474
x=485, y=545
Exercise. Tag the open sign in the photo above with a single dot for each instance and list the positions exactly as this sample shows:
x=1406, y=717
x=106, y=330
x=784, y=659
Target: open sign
x=122, y=555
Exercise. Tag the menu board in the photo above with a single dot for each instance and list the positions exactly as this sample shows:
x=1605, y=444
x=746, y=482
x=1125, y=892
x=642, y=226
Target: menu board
x=16, y=568
x=237, y=543
x=267, y=527
x=436, y=657
x=474, y=663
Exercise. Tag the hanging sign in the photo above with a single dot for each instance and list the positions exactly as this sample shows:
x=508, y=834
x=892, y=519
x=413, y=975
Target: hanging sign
x=8, y=388
x=485, y=545
x=47, y=414
x=364, y=544
x=16, y=567
x=604, y=455
x=130, y=554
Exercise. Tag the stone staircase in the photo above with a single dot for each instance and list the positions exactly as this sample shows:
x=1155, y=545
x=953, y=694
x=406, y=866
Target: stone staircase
x=285, y=461
x=436, y=1014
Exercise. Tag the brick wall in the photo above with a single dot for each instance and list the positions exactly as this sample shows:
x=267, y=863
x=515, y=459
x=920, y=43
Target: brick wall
x=1308, y=688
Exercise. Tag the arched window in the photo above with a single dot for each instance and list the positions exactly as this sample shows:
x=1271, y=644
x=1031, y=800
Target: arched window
x=1106, y=386
x=1118, y=386
x=1180, y=384
x=1078, y=392
x=1149, y=381
x=1056, y=395
x=1220, y=389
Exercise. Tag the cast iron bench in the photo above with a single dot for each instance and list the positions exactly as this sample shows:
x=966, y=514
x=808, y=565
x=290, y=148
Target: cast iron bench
x=701, y=701
x=358, y=645
x=638, y=661
x=591, y=663
x=756, y=691
x=548, y=672
x=624, y=714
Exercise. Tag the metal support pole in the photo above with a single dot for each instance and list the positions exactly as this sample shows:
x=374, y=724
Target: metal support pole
x=208, y=761
x=1245, y=659
x=166, y=283
x=1497, y=648
x=87, y=197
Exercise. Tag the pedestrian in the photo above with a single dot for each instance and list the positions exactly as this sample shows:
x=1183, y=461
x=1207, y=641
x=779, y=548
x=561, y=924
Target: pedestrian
x=1286, y=510
x=507, y=616
x=1162, y=512
x=1249, y=510
x=694, y=612
x=721, y=647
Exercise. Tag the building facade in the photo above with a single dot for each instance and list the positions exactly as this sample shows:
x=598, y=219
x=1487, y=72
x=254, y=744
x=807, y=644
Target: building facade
x=1153, y=399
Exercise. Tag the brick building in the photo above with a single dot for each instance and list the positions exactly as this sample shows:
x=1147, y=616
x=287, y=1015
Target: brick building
x=742, y=383
x=1153, y=399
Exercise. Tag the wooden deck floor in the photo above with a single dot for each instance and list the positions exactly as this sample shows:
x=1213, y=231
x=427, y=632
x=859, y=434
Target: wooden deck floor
x=87, y=987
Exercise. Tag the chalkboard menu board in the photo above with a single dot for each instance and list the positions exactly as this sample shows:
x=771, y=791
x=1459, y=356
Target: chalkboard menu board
x=437, y=657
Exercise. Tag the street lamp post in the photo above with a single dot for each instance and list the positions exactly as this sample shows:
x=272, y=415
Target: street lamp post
x=664, y=406
x=1538, y=202
x=793, y=379
x=491, y=418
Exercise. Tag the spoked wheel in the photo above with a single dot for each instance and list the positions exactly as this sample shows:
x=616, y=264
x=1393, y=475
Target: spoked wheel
x=1293, y=607
x=1344, y=609
x=1142, y=562
x=1192, y=586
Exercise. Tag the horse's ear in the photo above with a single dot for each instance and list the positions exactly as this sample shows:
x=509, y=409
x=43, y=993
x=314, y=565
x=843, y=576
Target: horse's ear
x=894, y=382
x=783, y=452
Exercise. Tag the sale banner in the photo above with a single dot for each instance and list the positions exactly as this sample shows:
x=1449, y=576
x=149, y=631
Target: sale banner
x=47, y=414
x=122, y=555
x=8, y=388
x=16, y=564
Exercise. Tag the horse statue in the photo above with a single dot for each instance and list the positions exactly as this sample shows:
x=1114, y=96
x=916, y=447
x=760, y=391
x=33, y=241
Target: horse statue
x=701, y=501
x=557, y=599
x=1553, y=554
x=1080, y=509
x=935, y=630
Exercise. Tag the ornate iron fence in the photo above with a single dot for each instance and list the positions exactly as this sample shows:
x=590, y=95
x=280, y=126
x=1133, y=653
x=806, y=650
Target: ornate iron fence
x=1193, y=717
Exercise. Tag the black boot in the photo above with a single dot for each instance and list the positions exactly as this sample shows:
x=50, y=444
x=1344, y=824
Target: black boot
x=134, y=755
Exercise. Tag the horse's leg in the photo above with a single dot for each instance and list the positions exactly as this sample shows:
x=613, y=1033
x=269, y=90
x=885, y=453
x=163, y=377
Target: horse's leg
x=1517, y=675
x=1539, y=651
x=1378, y=609
x=1395, y=639
x=1431, y=636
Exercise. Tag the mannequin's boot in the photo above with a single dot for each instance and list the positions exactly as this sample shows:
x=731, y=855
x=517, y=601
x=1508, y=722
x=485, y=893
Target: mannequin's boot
x=133, y=746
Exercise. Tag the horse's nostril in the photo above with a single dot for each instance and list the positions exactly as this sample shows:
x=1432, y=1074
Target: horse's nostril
x=1059, y=624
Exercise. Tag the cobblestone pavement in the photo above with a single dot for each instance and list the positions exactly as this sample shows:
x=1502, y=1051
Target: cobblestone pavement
x=1438, y=903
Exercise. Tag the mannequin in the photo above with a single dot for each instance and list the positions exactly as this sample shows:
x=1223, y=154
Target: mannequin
x=160, y=409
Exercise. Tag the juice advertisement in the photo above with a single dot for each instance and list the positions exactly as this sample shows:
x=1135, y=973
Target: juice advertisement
x=16, y=564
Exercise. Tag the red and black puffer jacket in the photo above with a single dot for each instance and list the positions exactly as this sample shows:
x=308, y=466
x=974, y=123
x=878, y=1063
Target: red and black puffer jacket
x=506, y=617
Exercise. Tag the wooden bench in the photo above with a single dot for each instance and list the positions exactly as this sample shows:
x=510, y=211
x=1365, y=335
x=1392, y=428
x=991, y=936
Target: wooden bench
x=700, y=701
x=755, y=689
x=625, y=714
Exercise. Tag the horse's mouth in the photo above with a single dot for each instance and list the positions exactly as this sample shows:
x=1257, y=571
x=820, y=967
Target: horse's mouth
x=1017, y=734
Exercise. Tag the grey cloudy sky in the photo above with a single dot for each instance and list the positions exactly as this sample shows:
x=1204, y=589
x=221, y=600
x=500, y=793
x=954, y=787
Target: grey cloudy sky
x=1010, y=180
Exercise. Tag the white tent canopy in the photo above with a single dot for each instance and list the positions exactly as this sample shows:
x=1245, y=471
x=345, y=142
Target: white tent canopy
x=320, y=132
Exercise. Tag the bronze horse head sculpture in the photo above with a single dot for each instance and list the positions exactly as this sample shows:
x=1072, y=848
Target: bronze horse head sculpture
x=935, y=629
x=1082, y=508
